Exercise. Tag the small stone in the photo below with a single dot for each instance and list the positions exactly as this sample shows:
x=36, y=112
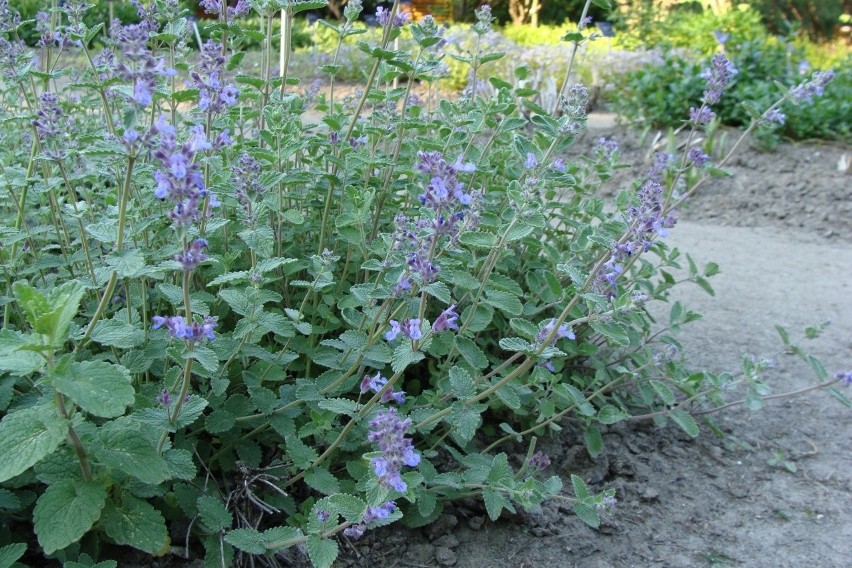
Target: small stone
x=650, y=494
x=475, y=523
x=445, y=557
x=447, y=541
x=442, y=526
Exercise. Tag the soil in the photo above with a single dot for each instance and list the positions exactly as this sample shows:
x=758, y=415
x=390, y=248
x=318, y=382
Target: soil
x=776, y=488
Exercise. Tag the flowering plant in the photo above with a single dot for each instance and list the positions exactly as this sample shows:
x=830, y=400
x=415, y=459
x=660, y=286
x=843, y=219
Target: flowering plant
x=229, y=325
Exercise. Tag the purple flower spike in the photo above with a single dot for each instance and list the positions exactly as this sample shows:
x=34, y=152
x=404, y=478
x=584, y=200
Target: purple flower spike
x=719, y=75
x=387, y=431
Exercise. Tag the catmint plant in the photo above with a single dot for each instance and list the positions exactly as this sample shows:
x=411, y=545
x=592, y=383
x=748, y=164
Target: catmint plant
x=223, y=320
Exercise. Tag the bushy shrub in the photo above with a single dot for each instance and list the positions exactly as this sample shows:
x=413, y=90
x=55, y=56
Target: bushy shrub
x=664, y=88
x=229, y=326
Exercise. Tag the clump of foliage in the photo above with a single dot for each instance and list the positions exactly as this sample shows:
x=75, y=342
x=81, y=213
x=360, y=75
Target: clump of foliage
x=229, y=326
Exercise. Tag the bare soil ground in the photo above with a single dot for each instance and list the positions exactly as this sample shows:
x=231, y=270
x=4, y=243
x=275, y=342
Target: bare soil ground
x=776, y=489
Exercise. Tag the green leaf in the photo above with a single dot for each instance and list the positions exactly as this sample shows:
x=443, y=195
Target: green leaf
x=9, y=500
x=339, y=406
x=10, y=554
x=99, y=388
x=219, y=421
x=180, y=464
x=785, y=337
x=588, y=514
x=612, y=331
x=594, y=441
x=462, y=383
x=403, y=356
x=321, y=480
x=581, y=491
x=504, y=301
x=439, y=290
x=261, y=240
x=516, y=344
x=478, y=239
x=494, y=503
x=610, y=414
x=66, y=511
x=471, y=352
x=664, y=392
x=117, y=333
x=28, y=436
x=50, y=315
x=213, y=513
x=247, y=540
x=136, y=523
x=321, y=551
x=685, y=421
x=279, y=537
x=123, y=446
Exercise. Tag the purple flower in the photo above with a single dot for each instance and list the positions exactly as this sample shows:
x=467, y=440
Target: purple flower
x=355, y=531
x=394, y=330
x=774, y=116
x=558, y=165
x=379, y=513
x=180, y=181
x=585, y=22
x=444, y=187
x=721, y=37
x=323, y=516
x=540, y=461
x=531, y=161
x=718, y=76
x=845, y=376
x=412, y=329
x=214, y=96
x=701, y=115
x=606, y=147
x=697, y=157
x=164, y=398
x=179, y=329
x=382, y=15
x=807, y=90
x=376, y=383
x=193, y=255
x=446, y=320
x=387, y=431
x=563, y=331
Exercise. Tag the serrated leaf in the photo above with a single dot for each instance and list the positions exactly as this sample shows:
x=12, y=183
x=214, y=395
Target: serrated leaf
x=403, y=356
x=301, y=454
x=213, y=513
x=612, y=331
x=663, y=391
x=9, y=500
x=122, y=446
x=28, y=436
x=10, y=554
x=594, y=441
x=440, y=291
x=66, y=511
x=581, y=491
x=180, y=464
x=321, y=551
x=504, y=301
x=219, y=421
x=100, y=388
x=321, y=480
x=247, y=540
x=685, y=421
x=117, y=333
x=136, y=523
x=342, y=406
x=462, y=383
x=471, y=352
x=279, y=537
x=609, y=414
x=494, y=503
x=478, y=239
x=516, y=344
x=588, y=514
